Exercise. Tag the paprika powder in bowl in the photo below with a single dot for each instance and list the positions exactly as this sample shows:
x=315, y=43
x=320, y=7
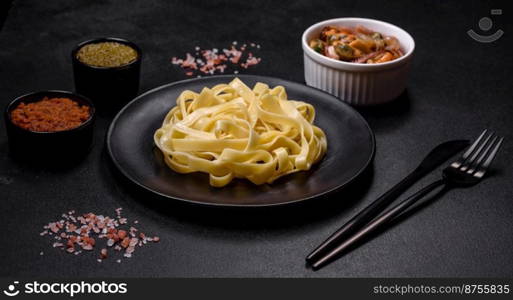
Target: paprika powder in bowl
x=50, y=125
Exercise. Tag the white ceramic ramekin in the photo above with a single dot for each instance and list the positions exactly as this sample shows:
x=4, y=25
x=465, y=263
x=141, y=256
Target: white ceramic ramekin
x=358, y=84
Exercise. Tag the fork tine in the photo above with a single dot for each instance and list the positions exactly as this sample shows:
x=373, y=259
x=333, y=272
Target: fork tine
x=472, y=168
x=474, y=145
x=484, y=167
x=469, y=151
x=466, y=164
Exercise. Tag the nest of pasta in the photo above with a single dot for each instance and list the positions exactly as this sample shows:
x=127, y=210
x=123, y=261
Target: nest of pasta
x=232, y=131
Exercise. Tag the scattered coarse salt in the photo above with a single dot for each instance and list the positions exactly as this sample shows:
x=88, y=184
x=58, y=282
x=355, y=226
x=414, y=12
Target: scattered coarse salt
x=215, y=61
x=121, y=234
x=53, y=227
x=125, y=242
x=133, y=242
x=251, y=61
x=72, y=227
x=87, y=247
x=82, y=232
x=103, y=253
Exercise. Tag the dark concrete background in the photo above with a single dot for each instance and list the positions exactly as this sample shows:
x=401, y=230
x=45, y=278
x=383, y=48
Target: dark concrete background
x=4, y=9
x=457, y=88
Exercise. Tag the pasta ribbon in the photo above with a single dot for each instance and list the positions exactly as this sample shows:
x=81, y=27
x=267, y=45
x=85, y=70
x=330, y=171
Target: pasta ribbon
x=232, y=131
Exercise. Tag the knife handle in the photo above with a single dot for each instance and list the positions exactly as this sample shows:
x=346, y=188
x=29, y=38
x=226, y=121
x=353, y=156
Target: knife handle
x=364, y=216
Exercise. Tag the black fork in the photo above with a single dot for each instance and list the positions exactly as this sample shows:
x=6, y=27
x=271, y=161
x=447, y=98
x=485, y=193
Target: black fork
x=467, y=171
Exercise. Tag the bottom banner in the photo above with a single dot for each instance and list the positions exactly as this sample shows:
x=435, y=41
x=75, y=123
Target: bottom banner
x=227, y=288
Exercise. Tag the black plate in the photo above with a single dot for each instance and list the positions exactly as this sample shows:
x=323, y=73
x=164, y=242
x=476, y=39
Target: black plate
x=130, y=144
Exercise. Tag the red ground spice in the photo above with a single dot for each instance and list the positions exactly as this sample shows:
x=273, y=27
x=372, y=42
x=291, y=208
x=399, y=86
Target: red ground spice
x=50, y=115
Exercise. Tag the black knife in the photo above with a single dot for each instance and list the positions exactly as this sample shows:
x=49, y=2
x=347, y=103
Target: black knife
x=435, y=158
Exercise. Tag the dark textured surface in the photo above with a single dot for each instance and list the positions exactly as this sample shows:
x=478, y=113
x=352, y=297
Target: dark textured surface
x=4, y=8
x=457, y=88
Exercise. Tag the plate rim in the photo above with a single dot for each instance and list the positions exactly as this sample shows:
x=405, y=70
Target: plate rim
x=302, y=199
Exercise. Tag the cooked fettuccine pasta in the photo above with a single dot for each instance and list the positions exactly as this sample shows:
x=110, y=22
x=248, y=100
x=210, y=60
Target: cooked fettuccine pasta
x=233, y=131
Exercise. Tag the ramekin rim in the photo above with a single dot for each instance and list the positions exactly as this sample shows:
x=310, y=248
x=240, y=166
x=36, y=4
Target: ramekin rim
x=129, y=43
x=355, y=66
x=11, y=106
